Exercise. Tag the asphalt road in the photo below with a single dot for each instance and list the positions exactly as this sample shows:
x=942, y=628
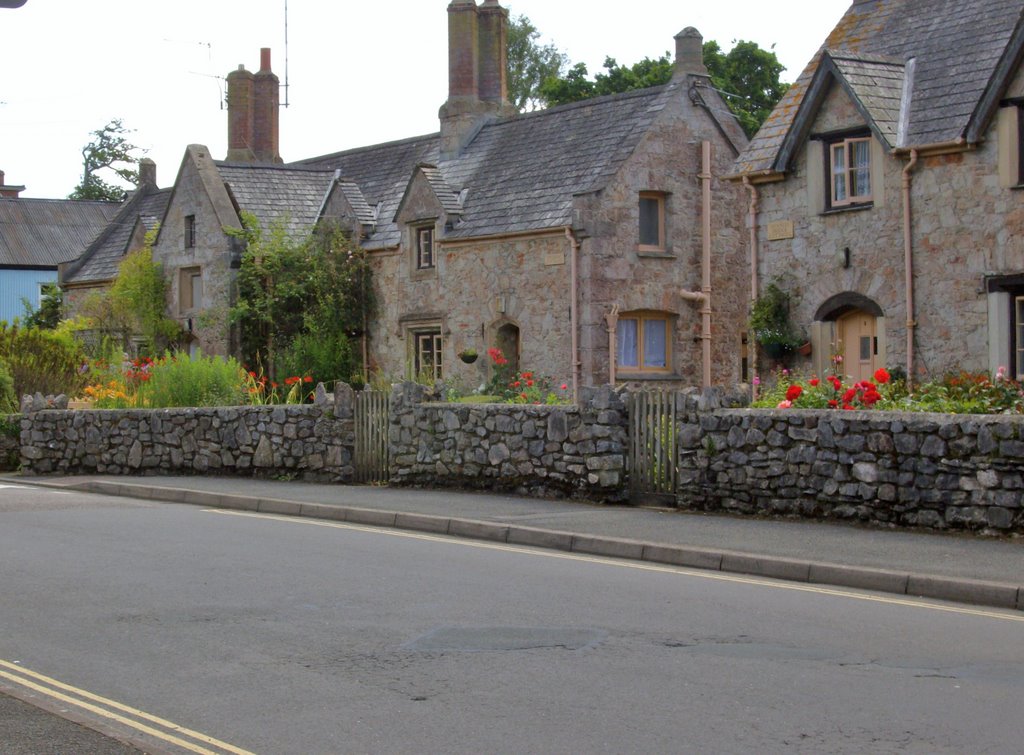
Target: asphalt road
x=243, y=632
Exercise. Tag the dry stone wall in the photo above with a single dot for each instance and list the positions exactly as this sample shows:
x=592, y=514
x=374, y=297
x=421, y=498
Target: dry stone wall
x=929, y=470
x=534, y=450
x=311, y=442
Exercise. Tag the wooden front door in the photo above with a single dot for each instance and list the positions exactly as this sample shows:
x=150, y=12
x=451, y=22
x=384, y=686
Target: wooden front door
x=857, y=341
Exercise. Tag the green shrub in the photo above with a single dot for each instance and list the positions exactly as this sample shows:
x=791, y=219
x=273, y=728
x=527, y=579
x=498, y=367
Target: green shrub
x=42, y=361
x=180, y=380
x=8, y=397
x=326, y=358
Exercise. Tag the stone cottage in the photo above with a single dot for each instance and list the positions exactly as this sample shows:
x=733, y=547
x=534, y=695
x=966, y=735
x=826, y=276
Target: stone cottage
x=592, y=242
x=95, y=269
x=885, y=190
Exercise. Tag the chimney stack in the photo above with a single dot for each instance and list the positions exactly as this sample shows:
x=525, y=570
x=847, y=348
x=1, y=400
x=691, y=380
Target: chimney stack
x=9, y=192
x=147, y=173
x=477, y=82
x=689, y=53
x=253, y=114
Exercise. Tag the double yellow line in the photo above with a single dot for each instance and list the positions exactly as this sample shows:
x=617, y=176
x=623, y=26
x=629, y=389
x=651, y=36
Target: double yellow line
x=113, y=711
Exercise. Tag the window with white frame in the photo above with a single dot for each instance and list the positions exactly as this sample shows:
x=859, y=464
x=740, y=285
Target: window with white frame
x=849, y=161
x=424, y=236
x=644, y=342
x=427, y=345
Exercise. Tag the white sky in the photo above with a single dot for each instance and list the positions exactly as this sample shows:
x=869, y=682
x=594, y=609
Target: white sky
x=359, y=72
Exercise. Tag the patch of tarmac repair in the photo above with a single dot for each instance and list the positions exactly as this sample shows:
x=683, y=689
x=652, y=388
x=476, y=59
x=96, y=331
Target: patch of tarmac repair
x=499, y=639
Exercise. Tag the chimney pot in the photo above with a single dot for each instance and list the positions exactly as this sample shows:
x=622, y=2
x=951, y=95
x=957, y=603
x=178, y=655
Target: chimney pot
x=690, y=52
x=147, y=172
x=264, y=60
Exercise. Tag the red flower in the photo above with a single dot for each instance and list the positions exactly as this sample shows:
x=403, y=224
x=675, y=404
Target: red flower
x=252, y=374
x=522, y=395
x=847, y=407
x=527, y=375
x=291, y=380
x=564, y=387
x=793, y=393
x=882, y=376
x=307, y=379
x=515, y=384
x=814, y=382
x=832, y=404
x=529, y=383
x=849, y=395
x=870, y=397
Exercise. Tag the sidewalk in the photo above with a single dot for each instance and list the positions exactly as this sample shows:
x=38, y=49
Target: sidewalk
x=964, y=568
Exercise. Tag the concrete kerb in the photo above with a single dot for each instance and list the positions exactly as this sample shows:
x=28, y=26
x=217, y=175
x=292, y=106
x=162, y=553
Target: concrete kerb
x=975, y=592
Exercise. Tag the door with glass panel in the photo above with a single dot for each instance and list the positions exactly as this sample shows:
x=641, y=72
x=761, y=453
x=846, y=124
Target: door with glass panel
x=857, y=344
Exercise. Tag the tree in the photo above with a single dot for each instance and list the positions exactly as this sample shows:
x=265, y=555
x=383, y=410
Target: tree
x=109, y=150
x=136, y=304
x=747, y=77
x=299, y=299
x=50, y=310
x=530, y=64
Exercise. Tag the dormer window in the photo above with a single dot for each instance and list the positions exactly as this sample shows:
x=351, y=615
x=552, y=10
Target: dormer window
x=424, y=247
x=849, y=171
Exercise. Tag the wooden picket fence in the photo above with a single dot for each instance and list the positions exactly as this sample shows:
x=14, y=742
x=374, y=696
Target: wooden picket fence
x=653, y=433
x=371, y=442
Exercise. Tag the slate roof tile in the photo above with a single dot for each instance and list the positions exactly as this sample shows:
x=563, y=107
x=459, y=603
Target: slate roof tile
x=957, y=45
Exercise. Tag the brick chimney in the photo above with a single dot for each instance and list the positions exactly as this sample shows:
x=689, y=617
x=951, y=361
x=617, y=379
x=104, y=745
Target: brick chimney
x=477, y=84
x=266, y=112
x=689, y=53
x=9, y=192
x=253, y=114
x=240, y=109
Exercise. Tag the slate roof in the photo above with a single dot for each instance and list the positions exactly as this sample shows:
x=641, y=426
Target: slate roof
x=958, y=47
x=275, y=192
x=517, y=174
x=878, y=87
x=100, y=260
x=46, y=232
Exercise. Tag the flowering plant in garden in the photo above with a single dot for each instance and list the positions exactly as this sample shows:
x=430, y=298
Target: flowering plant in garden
x=960, y=393
x=525, y=387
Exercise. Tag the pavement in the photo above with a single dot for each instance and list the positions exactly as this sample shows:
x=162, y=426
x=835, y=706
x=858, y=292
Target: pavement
x=964, y=568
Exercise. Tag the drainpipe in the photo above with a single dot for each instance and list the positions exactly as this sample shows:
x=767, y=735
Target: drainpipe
x=574, y=316
x=704, y=295
x=751, y=346
x=612, y=318
x=908, y=264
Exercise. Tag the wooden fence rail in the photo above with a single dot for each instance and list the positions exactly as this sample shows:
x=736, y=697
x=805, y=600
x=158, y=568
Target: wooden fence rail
x=371, y=430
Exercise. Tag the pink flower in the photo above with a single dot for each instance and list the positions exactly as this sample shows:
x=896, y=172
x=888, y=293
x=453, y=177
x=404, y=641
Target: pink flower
x=564, y=386
x=785, y=405
x=757, y=380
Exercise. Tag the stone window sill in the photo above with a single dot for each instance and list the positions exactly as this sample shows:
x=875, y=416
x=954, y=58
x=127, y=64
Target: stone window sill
x=849, y=208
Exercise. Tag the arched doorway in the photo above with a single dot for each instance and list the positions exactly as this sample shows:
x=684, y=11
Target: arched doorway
x=849, y=331
x=507, y=339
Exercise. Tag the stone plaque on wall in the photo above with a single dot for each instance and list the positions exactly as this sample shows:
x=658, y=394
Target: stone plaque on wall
x=554, y=258
x=780, y=229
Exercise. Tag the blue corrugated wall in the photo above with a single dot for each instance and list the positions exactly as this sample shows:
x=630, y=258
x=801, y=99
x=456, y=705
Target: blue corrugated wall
x=16, y=285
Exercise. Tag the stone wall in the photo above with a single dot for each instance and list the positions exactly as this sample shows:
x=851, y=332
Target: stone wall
x=577, y=451
x=310, y=442
x=928, y=470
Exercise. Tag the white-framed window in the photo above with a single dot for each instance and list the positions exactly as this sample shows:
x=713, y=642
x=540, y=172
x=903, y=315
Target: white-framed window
x=427, y=346
x=652, y=221
x=644, y=342
x=190, y=289
x=849, y=171
x=1018, y=333
x=424, y=236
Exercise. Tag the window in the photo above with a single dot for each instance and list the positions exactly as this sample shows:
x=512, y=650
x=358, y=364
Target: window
x=424, y=248
x=1018, y=336
x=190, y=231
x=652, y=221
x=428, y=353
x=850, y=171
x=643, y=342
x=190, y=290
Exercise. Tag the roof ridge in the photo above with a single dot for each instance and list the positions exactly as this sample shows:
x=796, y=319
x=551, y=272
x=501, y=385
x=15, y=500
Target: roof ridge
x=365, y=148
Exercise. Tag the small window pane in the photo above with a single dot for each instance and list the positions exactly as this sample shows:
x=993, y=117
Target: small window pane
x=626, y=333
x=860, y=171
x=654, y=343
x=650, y=221
x=865, y=348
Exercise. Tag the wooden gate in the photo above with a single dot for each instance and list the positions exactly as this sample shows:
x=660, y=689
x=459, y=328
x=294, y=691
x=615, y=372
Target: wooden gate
x=652, y=447
x=371, y=441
